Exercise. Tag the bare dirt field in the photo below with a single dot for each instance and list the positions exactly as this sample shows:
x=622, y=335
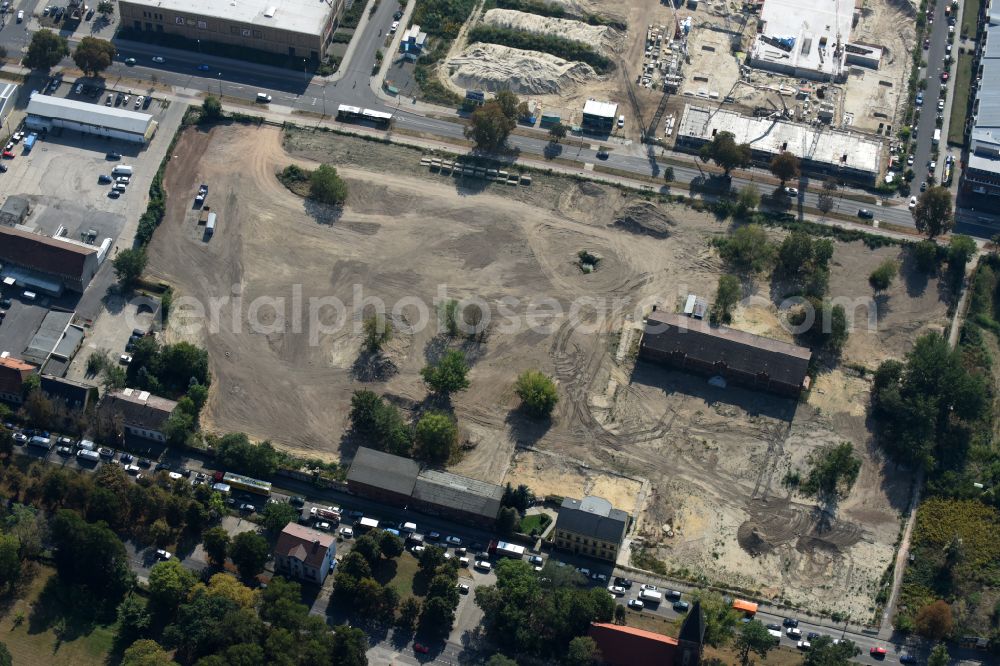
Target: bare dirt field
x=701, y=462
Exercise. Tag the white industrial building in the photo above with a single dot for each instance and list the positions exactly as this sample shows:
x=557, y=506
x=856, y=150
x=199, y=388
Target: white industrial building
x=982, y=171
x=599, y=117
x=46, y=112
x=822, y=151
x=804, y=38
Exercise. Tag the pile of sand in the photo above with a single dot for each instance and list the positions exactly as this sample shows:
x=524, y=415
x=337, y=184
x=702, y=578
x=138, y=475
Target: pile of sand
x=602, y=38
x=492, y=67
x=644, y=217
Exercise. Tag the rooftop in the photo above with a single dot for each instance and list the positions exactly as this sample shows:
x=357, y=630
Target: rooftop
x=47, y=106
x=774, y=136
x=13, y=372
x=67, y=390
x=303, y=16
x=139, y=408
x=621, y=645
x=667, y=332
x=48, y=336
x=304, y=544
x=593, y=516
x=42, y=253
x=602, y=109
x=384, y=470
x=986, y=127
x=809, y=29
x=459, y=492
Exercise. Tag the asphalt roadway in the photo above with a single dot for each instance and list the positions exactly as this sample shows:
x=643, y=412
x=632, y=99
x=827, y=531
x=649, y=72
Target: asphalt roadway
x=353, y=85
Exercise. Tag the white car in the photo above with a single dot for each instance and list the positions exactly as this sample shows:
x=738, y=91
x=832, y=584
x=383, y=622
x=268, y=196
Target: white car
x=416, y=550
x=803, y=645
x=323, y=526
x=616, y=590
x=463, y=588
x=347, y=532
x=913, y=202
x=163, y=554
x=599, y=576
x=792, y=191
x=647, y=586
x=175, y=476
x=158, y=59
x=636, y=604
x=483, y=565
x=125, y=359
x=932, y=165
x=909, y=161
x=139, y=100
x=794, y=633
x=394, y=27
x=454, y=540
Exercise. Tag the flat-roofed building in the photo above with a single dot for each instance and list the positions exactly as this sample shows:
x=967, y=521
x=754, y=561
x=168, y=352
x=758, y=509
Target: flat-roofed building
x=298, y=28
x=599, y=117
x=803, y=38
x=457, y=497
x=382, y=476
x=42, y=263
x=46, y=112
x=822, y=151
x=981, y=175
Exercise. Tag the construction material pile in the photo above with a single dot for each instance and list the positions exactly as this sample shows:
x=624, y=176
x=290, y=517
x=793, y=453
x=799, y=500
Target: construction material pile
x=602, y=38
x=492, y=67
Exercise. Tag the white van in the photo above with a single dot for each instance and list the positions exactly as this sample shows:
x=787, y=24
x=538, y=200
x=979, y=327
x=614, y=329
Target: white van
x=29, y=295
x=89, y=456
x=263, y=98
x=87, y=445
x=122, y=170
x=20, y=15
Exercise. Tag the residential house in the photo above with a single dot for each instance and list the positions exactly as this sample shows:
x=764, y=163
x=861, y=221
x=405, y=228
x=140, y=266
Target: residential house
x=591, y=527
x=304, y=553
x=13, y=373
x=142, y=414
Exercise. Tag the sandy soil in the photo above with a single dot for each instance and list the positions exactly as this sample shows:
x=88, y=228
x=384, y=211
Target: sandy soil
x=714, y=459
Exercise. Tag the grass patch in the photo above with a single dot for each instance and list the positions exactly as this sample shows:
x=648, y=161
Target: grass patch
x=53, y=644
x=296, y=179
x=402, y=579
x=960, y=100
x=970, y=17
x=538, y=521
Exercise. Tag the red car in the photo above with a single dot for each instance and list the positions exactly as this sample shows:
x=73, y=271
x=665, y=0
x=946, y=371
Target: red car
x=944, y=76
x=8, y=155
x=421, y=648
x=877, y=652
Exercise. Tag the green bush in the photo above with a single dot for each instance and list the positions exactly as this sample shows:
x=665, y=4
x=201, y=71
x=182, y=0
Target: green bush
x=442, y=18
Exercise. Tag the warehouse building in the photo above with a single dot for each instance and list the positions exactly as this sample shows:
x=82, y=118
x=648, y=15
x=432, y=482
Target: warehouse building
x=44, y=264
x=982, y=172
x=822, y=151
x=599, y=117
x=298, y=28
x=719, y=351
x=46, y=112
x=399, y=481
x=803, y=38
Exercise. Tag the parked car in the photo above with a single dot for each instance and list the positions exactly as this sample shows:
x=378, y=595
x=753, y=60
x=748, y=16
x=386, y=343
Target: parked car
x=144, y=462
x=433, y=536
x=790, y=622
x=603, y=578
x=322, y=525
x=624, y=582
x=913, y=202
x=877, y=651
x=297, y=501
x=681, y=606
x=130, y=62
x=105, y=452
x=636, y=604
x=483, y=565
x=126, y=458
x=536, y=560
x=421, y=648
x=463, y=588
x=163, y=554
x=616, y=590
x=774, y=627
x=793, y=633
x=907, y=658
x=114, y=156
x=159, y=59
x=347, y=532
x=647, y=586
x=454, y=540
x=64, y=450
x=865, y=214
x=792, y=191
x=103, y=179
x=803, y=645
x=20, y=438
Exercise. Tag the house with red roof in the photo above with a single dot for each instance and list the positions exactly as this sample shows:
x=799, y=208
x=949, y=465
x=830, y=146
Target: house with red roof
x=304, y=553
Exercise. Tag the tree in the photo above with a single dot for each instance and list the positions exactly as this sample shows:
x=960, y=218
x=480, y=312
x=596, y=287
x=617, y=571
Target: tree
x=834, y=471
x=747, y=200
x=500, y=660
x=45, y=50
x=939, y=656
x=537, y=392
x=727, y=295
x=668, y=174
x=785, y=166
x=961, y=248
x=5, y=657
x=105, y=7
x=10, y=562
x=725, y=152
x=211, y=109
x=377, y=332
x=379, y=424
x=349, y=647
x=934, y=620
x=409, y=612
x=448, y=375
x=94, y=55
x=925, y=254
x=881, y=278
x=391, y=545
x=754, y=638
x=824, y=202
x=326, y=186
x=747, y=250
x=620, y=615
x=146, y=653
x=436, y=436
x=90, y=555
x=824, y=652
x=436, y=617
x=508, y=520
x=582, y=652
x=490, y=126
x=249, y=553
x=720, y=618
x=277, y=515
x=133, y=619
x=933, y=213
x=557, y=132
x=129, y=265
x=169, y=585
x=235, y=451
x=216, y=543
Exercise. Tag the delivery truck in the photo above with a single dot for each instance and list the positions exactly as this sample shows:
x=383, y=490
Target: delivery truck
x=504, y=549
x=651, y=596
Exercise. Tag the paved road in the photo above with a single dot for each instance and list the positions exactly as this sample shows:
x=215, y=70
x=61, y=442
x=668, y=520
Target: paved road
x=925, y=151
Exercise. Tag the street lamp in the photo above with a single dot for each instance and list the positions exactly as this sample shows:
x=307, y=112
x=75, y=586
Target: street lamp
x=220, y=86
x=304, y=77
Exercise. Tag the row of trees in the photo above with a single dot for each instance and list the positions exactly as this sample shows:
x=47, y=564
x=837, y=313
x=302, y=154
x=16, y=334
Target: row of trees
x=47, y=49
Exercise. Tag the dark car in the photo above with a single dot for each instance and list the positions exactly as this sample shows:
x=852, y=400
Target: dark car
x=114, y=156
x=297, y=501
x=865, y=214
x=433, y=536
x=790, y=622
x=162, y=467
x=146, y=102
x=907, y=659
x=5, y=302
x=126, y=457
x=104, y=179
x=3, y=168
x=681, y=606
x=774, y=627
x=813, y=635
x=398, y=15
x=143, y=462
x=623, y=582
